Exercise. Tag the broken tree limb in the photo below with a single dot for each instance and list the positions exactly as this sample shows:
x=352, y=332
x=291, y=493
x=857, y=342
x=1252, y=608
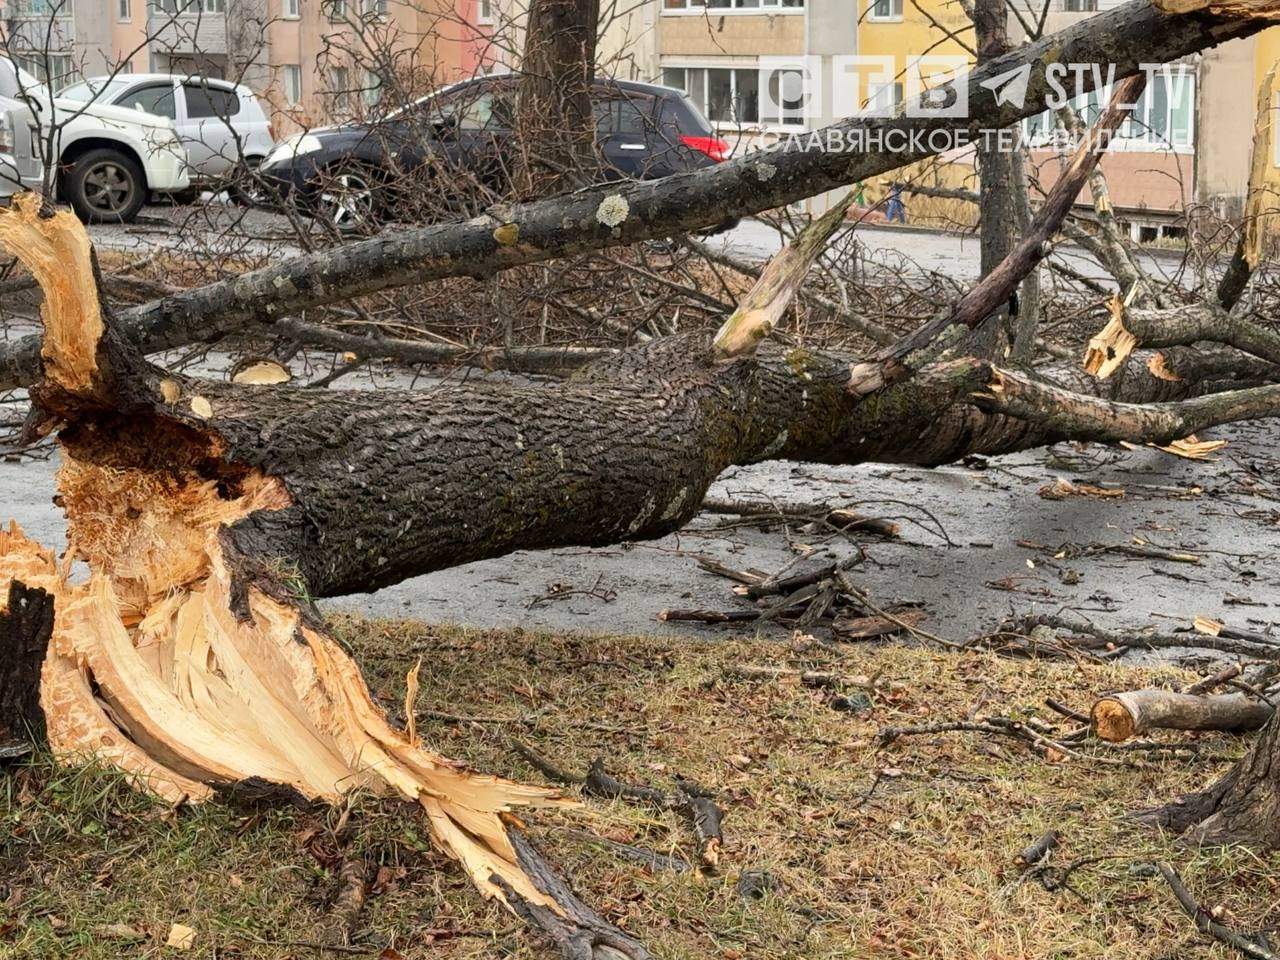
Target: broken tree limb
x=1125, y=37
x=767, y=300
x=1248, y=251
x=1176, y=326
x=1122, y=716
x=26, y=624
x=902, y=359
x=1084, y=417
x=195, y=672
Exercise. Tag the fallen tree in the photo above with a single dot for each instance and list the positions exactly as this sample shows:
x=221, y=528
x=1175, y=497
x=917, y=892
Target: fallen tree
x=212, y=514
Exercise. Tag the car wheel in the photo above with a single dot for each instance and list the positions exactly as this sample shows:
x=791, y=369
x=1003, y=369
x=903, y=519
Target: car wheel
x=345, y=200
x=105, y=186
x=247, y=189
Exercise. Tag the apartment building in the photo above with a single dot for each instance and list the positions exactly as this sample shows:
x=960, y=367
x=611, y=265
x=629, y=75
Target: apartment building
x=312, y=60
x=1186, y=145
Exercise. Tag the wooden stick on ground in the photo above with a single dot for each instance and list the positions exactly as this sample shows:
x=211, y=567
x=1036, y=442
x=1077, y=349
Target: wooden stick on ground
x=1124, y=715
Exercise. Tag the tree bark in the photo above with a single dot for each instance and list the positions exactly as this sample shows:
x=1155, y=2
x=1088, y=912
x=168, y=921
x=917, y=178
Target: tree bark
x=997, y=213
x=1122, y=716
x=555, y=122
x=26, y=624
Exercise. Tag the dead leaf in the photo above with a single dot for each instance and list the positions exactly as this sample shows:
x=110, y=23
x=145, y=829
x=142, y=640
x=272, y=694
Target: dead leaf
x=181, y=937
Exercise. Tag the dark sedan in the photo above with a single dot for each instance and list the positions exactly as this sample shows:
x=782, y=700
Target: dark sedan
x=357, y=173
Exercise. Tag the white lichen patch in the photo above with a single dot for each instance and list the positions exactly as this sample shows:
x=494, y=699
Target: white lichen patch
x=765, y=172
x=646, y=511
x=613, y=210
x=676, y=505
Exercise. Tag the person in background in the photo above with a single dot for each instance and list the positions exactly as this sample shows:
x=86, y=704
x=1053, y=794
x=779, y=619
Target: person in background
x=895, y=209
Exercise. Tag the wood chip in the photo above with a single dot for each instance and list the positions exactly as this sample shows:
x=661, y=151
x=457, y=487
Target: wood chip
x=861, y=628
x=263, y=373
x=1110, y=347
x=170, y=390
x=1061, y=489
x=1194, y=449
x=181, y=937
x=201, y=407
x=1208, y=626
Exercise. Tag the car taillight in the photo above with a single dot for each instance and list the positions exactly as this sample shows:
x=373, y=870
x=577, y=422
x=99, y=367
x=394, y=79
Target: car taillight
x=713, y=147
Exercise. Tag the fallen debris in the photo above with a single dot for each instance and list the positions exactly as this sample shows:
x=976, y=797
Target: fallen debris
x=1122, y=716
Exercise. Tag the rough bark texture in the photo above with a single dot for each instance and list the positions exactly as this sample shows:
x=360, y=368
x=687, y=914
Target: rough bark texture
x=1242, y=807
x=555, y=121
x=1124, y=715
x=26, y=623
x=1126, y=36
x=997, y=211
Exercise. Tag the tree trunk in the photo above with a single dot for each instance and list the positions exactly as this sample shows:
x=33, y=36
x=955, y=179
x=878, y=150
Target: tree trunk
x=997, y=213
x=1242, y=807
x=555, y=121
x=26, y=623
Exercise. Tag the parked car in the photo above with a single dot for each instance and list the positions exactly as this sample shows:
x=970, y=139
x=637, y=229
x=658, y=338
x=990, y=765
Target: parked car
x=221, y=124
x=349, y=174
x=110, y=159
x=20, y=166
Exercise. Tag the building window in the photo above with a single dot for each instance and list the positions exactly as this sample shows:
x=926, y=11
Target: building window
x=124, y=10
x=885, y=11
x=484, y=11
x=56, y=70
x=371, y=92
x=292, y=84
x=41, y=8
x=747, y=6
x=1164, y=118
x=335, y=10
x=292, y=9
x=733, y=96
x=1080, y=6
x=174, y=7
x=340, y=88
x=883, y=99
x=374, y=8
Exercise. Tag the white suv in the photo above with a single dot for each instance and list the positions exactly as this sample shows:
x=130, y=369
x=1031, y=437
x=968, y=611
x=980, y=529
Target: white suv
x=110, y=159
x=20, y=166
x=221, y=124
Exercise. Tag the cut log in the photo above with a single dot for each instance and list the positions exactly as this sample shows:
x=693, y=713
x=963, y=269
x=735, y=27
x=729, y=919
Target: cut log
x=1122, y=716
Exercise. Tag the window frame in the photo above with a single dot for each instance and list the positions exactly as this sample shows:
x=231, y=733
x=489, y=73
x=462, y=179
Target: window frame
x=291, y=10
x=124, y=11
x=891, y=17
x=1136, y=134
x=484, y=12
x=704, y=106
x=290, y=72
x=700, y=8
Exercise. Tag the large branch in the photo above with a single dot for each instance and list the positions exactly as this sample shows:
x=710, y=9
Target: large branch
x=1124, y=38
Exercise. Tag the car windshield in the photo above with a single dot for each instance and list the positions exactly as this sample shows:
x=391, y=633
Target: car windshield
x=418, y=104
x=92, y=90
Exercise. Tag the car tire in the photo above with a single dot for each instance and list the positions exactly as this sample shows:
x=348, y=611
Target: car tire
x=347, y=198
x=105, y=186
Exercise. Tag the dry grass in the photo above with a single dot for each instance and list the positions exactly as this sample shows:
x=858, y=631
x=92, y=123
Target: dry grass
x=921, y=866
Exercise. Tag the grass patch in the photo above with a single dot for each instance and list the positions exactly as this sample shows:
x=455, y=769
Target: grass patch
x=919, y=866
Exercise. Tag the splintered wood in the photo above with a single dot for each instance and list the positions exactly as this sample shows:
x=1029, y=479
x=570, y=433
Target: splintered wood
x=1111, y=346
x=151, y=665
x=60, y=261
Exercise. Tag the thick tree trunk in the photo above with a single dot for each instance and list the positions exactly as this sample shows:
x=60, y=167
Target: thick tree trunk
x=997, y=211
x=555, y=121
x=1125, y=37
x=1242, y=807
